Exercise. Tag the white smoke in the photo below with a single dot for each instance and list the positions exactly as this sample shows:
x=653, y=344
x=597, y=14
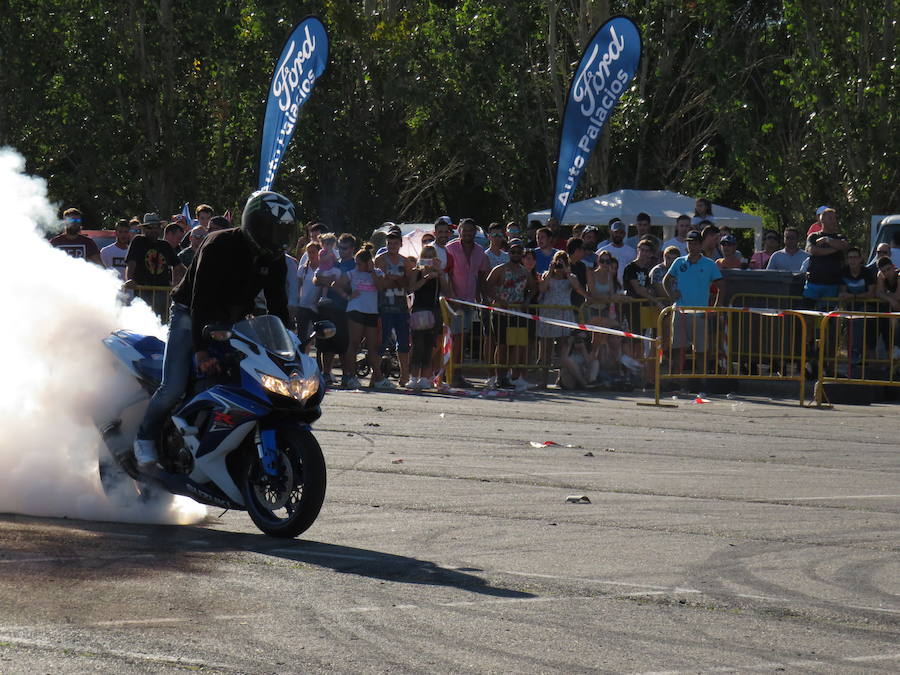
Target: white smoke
x=56, y=376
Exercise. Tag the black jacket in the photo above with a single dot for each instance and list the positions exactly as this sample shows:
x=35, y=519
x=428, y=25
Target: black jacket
x=224, y=279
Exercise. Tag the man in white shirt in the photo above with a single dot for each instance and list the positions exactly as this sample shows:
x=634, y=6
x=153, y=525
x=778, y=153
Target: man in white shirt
x=617, y=248
x=497, y=240
x=443, y=227
x=113, y=256
x=791, y=257
x=682, y=227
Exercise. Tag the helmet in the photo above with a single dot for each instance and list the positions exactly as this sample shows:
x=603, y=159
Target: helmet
x=268, y=221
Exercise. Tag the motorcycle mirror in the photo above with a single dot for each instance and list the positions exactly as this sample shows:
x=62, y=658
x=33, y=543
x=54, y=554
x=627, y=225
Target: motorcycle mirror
x=217, y=333
x=324, y=329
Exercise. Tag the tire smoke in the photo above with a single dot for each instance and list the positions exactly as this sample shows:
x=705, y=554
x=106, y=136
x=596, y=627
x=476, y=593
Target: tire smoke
x=57, y=376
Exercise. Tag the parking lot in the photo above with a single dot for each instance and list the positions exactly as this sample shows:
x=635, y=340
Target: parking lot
x=745, y=535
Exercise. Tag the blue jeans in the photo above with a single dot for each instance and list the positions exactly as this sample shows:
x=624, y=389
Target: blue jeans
x=177, y=364
x=399, y=324
x=813, y=291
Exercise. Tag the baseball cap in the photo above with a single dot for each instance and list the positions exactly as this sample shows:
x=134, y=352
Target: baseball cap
x=728, y=239
x=820, y=210
x=444, y=219
x=693, y=235
x=617, y=226
x=515, y=242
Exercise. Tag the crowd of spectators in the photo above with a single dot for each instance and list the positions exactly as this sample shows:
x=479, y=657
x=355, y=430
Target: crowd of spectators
x=386, y=300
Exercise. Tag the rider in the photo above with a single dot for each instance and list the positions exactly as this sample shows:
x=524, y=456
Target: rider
x=231, y=268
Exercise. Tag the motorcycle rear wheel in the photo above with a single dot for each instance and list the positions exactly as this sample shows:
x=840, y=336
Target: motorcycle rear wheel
x=288, y=509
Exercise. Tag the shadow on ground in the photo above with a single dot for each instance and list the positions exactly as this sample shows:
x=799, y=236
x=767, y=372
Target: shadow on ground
x=79, y=550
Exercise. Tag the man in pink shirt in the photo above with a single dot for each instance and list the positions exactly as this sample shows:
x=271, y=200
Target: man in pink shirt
x=467, y=274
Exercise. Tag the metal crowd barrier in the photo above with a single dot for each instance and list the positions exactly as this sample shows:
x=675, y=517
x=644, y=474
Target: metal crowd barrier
x=492, y=340
x=157, y=297
x=495, y=341
x=731, y=343
x=858, y=348
x=760, y=301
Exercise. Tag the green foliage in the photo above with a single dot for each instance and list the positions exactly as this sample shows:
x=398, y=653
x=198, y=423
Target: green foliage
x=438, y=107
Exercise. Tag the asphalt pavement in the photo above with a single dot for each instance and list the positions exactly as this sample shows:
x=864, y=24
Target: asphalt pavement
x=740, y=535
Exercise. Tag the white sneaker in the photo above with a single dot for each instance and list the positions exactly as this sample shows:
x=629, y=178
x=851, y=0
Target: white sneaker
x=145, y=452
x=384, y=384
x=491, y=383
x=352, y=383
x=425, y=383
x=413, y=384
x=521, y=384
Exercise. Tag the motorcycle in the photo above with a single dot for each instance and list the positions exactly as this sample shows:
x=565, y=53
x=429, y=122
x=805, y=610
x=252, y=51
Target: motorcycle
x=238, y=440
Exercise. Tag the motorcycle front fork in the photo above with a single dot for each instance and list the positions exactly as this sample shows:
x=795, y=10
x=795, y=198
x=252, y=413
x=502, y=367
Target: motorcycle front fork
x=267, y=448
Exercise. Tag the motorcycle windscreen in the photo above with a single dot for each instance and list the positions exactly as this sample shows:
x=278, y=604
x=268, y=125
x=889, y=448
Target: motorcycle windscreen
x=269, y=332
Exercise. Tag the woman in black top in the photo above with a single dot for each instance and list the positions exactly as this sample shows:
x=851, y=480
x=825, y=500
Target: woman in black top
x=429, y=282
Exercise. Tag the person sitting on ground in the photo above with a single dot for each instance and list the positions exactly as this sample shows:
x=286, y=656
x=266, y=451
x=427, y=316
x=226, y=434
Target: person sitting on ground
x=731, y=258
x=579, y=365
x=760, y=259
x=791, y=257
x=427, y=283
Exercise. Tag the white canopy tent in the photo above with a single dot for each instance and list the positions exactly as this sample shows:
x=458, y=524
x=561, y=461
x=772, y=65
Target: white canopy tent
x=662, y=206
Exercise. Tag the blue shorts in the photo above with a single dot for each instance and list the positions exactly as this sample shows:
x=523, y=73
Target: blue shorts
x=399, y=324
x=813, y=291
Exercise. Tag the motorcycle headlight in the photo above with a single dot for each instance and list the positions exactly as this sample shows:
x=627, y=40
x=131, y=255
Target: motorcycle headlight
x=297, y=387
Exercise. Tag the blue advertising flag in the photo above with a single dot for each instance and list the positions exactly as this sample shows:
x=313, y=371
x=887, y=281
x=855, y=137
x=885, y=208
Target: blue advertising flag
x=604, y=73
x=302, y=61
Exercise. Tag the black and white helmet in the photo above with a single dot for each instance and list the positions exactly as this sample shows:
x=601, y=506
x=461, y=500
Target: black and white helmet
x=269, y=222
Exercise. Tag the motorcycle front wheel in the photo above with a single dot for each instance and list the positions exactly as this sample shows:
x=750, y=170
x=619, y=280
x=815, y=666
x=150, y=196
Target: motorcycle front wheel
x=287, y=505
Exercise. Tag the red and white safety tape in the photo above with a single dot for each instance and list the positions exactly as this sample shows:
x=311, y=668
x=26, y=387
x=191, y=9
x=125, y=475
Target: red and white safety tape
x=554, y=322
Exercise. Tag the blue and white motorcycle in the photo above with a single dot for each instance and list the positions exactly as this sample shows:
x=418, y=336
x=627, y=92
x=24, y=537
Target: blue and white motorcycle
x=239, y=440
